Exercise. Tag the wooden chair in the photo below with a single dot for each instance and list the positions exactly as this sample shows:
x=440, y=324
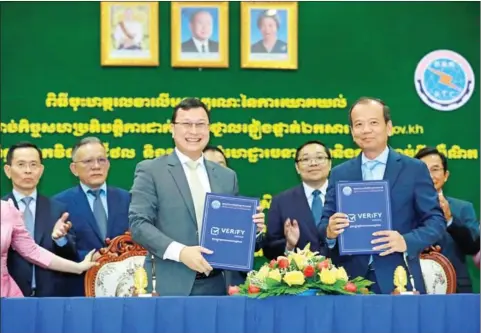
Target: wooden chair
x=438, y=272
x=114, y=277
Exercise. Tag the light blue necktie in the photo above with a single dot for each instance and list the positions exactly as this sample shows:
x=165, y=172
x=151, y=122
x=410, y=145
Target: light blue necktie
x=316, y=207
x=30, y=225
x=369, y=175
x=99, y=213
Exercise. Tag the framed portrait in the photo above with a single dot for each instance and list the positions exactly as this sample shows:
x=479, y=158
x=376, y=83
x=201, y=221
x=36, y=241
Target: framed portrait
x=129, y=33
x=269, y=35
x=200, y=32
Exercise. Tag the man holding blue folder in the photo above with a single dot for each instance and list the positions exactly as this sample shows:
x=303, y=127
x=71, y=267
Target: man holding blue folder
x=167, y=206
x=417, y=218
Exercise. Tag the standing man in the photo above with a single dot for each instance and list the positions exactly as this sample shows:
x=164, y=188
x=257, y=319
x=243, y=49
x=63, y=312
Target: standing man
x=96, y=210
x=458, y=213
x=46, y=221
x=295, y=214
x=167, y=205
x=417, y=218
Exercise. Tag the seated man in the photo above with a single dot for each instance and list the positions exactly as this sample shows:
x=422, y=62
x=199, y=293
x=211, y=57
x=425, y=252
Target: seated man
x=295, y=214
x=462, y=225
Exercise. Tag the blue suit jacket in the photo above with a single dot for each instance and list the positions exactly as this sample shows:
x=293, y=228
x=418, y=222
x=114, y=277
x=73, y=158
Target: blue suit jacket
x=416, y=214
x=464, y=217
x=48, y=283
x=86, y=229
x=291, y=204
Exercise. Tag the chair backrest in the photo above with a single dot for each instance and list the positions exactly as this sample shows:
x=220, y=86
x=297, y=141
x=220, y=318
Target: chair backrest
x=114, y=277
x=438, y=273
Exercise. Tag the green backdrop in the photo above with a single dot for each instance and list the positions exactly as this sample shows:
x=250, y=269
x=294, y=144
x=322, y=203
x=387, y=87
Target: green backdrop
x=352, y=49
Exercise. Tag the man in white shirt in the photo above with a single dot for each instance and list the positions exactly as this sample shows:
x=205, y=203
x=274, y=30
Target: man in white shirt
x=294, y=215
x=201, y=23
x=167, y=205
x=128, y=33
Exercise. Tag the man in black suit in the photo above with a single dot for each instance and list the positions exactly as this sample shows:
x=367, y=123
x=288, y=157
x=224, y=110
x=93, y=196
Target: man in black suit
x=45, y=219
x=200, y=23
x=294, y=214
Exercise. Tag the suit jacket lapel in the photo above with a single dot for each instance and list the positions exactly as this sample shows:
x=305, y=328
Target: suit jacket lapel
x=112, y=199
x=299, y=200
x=213, y=179
x=42, y=219
x=83, y=206
x=393, y=168
x=177, y=172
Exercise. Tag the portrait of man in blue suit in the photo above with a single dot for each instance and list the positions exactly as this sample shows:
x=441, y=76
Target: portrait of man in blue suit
x=417, y=219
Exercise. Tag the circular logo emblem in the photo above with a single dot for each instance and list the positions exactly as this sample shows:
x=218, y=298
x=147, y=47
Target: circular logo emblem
x=215, y=204
x=444, y=80
x=347, y=191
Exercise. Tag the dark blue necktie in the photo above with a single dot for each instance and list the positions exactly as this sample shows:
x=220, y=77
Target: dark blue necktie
x=316, y=207
x=99, y=213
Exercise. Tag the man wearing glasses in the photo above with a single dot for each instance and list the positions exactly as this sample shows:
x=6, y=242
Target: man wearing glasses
x=45, y=219
x=97, y=211
x=167, y=206
x=294, y=215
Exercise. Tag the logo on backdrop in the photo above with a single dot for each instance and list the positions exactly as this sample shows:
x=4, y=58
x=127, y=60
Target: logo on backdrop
x=444, y=80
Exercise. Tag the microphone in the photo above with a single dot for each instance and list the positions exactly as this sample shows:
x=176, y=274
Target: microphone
x=154, y=291
x=411, y=279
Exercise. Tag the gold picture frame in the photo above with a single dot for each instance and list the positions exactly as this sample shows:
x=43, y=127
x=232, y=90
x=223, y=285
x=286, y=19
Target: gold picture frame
x=200, y=34
x=257, y=32
x=129, y=33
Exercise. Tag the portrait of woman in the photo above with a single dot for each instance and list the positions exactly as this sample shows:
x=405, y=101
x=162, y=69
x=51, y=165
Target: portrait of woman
x=269, y=35
x=268, y=24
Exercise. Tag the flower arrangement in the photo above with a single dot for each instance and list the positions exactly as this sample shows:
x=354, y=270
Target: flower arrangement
x=301, y=272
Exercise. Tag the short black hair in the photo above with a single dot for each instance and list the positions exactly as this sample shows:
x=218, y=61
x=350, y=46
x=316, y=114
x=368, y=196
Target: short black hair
x=187, y=104
x=363, y=100
x=22, y=144
x=217, y=149
x=426, y=151
x=313, y=142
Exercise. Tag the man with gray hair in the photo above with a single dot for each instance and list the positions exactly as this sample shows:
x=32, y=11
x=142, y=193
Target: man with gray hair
x=97, y=211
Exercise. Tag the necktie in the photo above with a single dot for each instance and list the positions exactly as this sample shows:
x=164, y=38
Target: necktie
x=316, y=207
x=203, y=48
x=29, y=224
x=99, y=213
x=197, y=191
x=369, y=175
x=368, y=170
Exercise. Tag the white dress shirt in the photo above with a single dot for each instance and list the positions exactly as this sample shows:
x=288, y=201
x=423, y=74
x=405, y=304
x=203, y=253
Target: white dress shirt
x=174, y=248
x=308, y=191
x=199, y=44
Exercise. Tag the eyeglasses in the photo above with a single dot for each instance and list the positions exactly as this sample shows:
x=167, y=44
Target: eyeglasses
x=436, y=170
x=24, y=165
x=187, y=125
x=313, y=160
x=102, y=161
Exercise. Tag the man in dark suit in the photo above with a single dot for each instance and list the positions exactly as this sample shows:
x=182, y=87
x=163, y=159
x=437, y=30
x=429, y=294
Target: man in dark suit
x=200, y=23
x=45, y=219
x=295, y=214
x=168, y=197
x=96, y=210
x=459, y=215
x=417, y=218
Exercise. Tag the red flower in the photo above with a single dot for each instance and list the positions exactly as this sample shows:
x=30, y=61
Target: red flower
x=273, y=263
x=253, y=289
x=309, y=271
x=350, y=287
x=233, y=290
x=283, y=263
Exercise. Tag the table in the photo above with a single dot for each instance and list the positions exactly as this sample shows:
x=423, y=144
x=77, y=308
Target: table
x=306, y=314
